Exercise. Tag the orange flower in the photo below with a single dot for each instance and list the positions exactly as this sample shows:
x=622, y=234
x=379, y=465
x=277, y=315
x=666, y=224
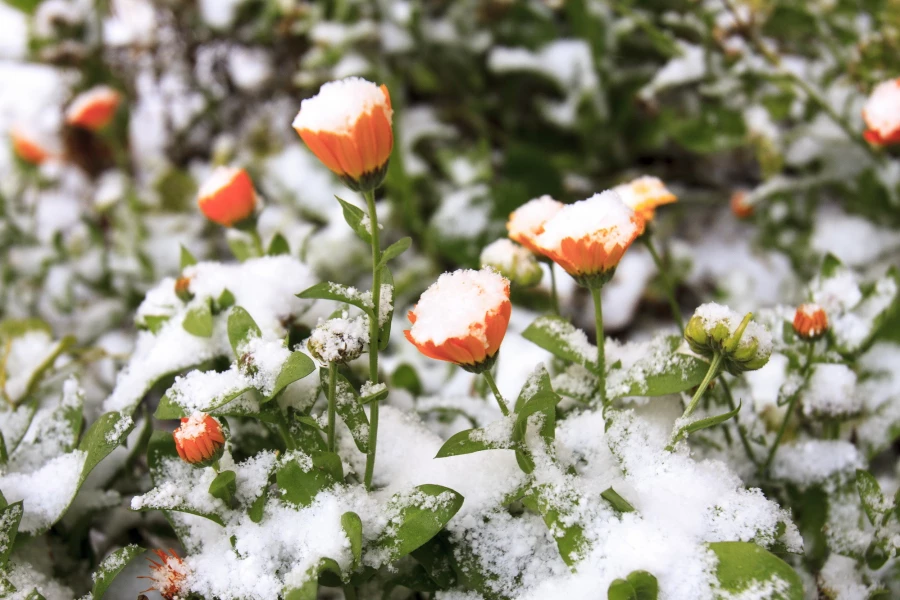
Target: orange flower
x=93, y=109
x=27, y=148
x=588, y=238
x=347, y=125
x=882, y=114
x=644, y=194
x=199, y=439
x=527, y=222
x=183, y=289
x=227, y=197
x=810, y=322
x=462, y=318
x=739, y=206
x=167, y=576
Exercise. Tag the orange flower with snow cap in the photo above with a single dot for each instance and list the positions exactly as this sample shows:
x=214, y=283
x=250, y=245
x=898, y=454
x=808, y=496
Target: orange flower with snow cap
x=527, y=222
x=167, y=576
x=588, y=238
x=882, y=114
x=227, y=197
x=199, y=440
x=810, y=322
x=644, y=194
x=740, y=207
x=94, y=109
x=462, y=318
x=27, y=147
x=347, y=125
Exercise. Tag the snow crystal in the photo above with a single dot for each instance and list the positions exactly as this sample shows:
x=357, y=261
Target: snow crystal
x=339, y=104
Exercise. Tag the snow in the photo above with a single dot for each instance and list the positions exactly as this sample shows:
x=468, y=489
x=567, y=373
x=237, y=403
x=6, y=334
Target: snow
x=510, y=260
x=340, y=339
x=713, y=314
x=339, y=105
x=814, y=462
x=602, y=218
x=880, y=110
x=250, y=68
x=46, y=492
x=527, y=221
x=831, y=392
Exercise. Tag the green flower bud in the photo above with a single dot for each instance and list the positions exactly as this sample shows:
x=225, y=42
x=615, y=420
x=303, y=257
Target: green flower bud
x=339, y=340
x=513, y=262
x=716, y=329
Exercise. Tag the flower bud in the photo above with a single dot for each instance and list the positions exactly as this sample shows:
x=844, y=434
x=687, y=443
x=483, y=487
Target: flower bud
x=182, y=289
x=882, y=114
x=339, y=340
x=27, y=148
x=513, y=262
x=644, y=194
x=227, y=197
x=810, y=322
x=93, y=109
x=739, y=205
x=199, y=440
x=716, y=329
x=167, y=576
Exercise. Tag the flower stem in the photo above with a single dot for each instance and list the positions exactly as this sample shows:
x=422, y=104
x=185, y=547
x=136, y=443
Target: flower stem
x=710, y=375
x=490, y=379
x=667, y=281
x=601, y=356
x=332, y=384
x=374, y=326
x=284, y=430
x=788, y=411
x=554, y=295
x=737, y=421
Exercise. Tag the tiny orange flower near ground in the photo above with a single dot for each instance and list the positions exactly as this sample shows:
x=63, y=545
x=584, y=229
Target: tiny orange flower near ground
x=167, y=576
x=462, y=318
x=644, y=194
x=199, y=439
x=882, y=114
x=527, y=222
x=347, y=125
x=93, y=109
x=588, y=238
x=183, y=289
x=27, y=147
x=227, y=197
x=739, y=205
x=810, y=322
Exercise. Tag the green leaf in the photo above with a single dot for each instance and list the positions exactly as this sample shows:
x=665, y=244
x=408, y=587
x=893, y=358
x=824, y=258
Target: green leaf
x=26, y=6
x=347, y=404
x=543, y=402
x=111, y=566
x=477, y=440
x=744, y=565
x=831, y=265
x=352, y=526
x=537, y=381
x=355, y=218
x=562, y=339
x=169, y=409
x=416, y=517
x=660, y=371
x=224, y=486
x=102, y=437
x=639, y=585
x=241, y=247
x=187, y=259
x=10, y=517
x=223, y=302
x=295, y=368
x=153, y=323
x=618, y=502
x=435, y=556
x=406, y=378
x=278, y=246
x=301, y=478
x=199, y=321
x=257, y=508
x=327, y=290
x=872, y=498
x=569, y=536
x=394, y=250
x=241, y=327
x=704, y=424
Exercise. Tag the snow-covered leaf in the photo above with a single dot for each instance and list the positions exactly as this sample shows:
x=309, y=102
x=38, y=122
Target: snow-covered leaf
x=744, y=565
x=241, y=327
x=199, y=320
x=562, y=339
x=416, y=517
x=111, y=566
x=356, y=219
x=326, y=290
x=638, y=585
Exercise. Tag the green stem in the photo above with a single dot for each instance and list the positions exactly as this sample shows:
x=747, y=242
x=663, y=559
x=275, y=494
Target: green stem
x=349, y=592
x=601, y=357
x=554, y=296
x=710, y=375
x=284, y=430
x=374, y=326
x=789, y=411
x=332, y=384
x=490, y=379
x=667, y=281
x=737, y=421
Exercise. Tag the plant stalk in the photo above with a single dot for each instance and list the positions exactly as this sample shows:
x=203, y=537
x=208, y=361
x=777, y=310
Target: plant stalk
x=374, y=326
x=789, y=411
x=711, y=373
x=737, y=421
x=601, y=356
x=667, y=281
x=493, y=385
x=332, y=385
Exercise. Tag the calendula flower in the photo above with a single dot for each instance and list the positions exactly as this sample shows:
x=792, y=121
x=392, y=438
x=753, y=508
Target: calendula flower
x=462, y=318
x=741, y=344
x=27, y=147
x=347, y=125
x=810, y=322
x=167, y=576
x=644, y=194
x=513, y=262
x=527, y=222
x=93, y=109
x=227, y=197
x=199, y=439
x=739, y=205
x=882, y=114
x=588, y=238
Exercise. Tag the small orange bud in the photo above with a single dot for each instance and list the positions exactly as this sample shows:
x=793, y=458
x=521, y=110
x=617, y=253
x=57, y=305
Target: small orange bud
x=527, y=222
x=462, y=318
x=882, y=114
x=227, y=197
x=93, y=109
x=347, y=125
x=182, y=289
x=27, y=148
x=739, y=206
x=810, y=322
x=644, y=194
x=167, y=577
x=199, y=439
x=588, y=238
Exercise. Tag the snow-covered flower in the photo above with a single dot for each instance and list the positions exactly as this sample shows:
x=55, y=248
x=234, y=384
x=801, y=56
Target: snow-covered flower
x=339, y=340
x=167, y=576
x=882, y=113
x=462, y=318
x=199, y=439
x=227, y=197
x=588, y=238
x=27, y=147
x=810, y=321
x=739, y=205
x=644, y=194
x=527, y=222
x=93, y=109
x=513, y=262
x=717, y=331
x=347, y=125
